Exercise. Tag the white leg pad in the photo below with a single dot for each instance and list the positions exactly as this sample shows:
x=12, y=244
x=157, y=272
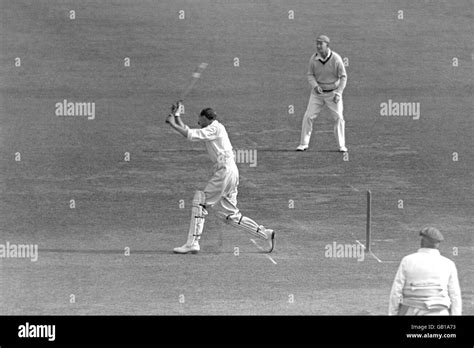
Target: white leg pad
x=246, y=224
x=198, y=216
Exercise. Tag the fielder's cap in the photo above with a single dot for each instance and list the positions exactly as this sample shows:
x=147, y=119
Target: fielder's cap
x=323, y=38
x=432, y=234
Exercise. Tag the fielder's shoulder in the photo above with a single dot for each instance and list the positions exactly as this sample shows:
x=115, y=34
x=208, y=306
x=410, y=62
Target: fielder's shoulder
x=337, y=56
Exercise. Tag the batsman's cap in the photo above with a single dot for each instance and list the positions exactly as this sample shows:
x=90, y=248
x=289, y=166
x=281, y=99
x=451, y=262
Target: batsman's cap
x=323, y=38
x=432, y=234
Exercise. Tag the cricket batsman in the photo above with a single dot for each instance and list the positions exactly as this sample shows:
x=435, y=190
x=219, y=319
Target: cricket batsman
x=327, y=77
x=220, y=192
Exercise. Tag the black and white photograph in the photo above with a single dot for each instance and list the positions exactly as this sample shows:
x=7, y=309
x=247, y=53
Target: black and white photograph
x=208, y=161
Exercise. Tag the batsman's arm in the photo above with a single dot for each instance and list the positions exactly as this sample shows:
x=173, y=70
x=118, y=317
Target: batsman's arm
x=180, y=127
x=179, y=121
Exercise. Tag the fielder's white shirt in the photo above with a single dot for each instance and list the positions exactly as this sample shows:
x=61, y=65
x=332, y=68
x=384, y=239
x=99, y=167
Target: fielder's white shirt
x=427, y=266
x=217, y=142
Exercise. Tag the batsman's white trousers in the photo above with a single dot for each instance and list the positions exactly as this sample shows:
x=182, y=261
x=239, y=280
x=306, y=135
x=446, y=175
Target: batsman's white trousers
x=315, y=104
x=221, y=190
x=221, y=194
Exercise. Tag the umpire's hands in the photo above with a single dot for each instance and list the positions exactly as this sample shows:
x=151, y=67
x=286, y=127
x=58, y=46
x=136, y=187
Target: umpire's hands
x=336, y=98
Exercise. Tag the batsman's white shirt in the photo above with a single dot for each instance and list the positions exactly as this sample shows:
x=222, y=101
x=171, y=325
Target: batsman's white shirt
x=426, y=266
x=217, y=141
x=222, y=187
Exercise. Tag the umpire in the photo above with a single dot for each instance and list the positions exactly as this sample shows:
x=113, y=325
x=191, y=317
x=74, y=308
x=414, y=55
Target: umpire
x=426, y=282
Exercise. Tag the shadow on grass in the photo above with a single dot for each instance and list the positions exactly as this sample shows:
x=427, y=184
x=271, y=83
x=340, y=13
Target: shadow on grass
x=141, y=252
x=294, y=150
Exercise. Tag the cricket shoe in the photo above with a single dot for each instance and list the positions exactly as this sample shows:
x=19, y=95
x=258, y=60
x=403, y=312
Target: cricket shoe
x=343, y=149
x=302, y=148
x=270, y=237
x=188, y=249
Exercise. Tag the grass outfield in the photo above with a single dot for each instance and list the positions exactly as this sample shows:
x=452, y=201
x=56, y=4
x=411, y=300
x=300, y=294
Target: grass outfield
x=311, y=199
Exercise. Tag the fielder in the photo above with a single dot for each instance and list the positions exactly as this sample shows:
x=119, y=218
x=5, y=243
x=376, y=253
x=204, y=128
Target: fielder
x=327, y=77
x=426, y=282
x=221, y=190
